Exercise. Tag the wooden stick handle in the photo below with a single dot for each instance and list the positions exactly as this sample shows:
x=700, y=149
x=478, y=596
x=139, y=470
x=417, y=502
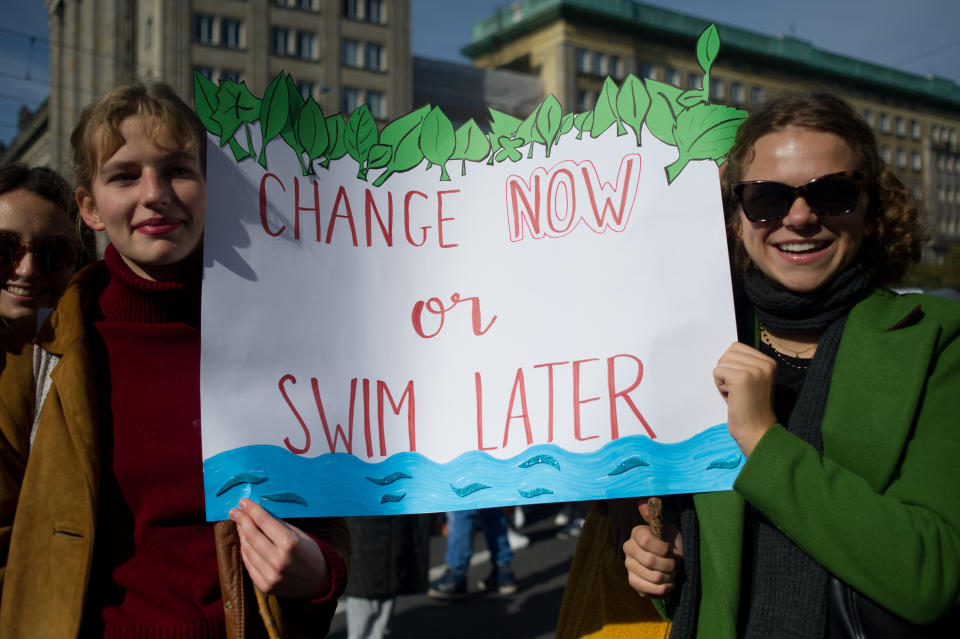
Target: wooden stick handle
x=656, y=516
x=268, y=621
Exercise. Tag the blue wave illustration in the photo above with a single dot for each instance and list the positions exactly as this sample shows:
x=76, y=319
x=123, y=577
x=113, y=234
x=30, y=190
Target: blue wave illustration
x=536, y=492
x=338, y=484
x=389, y=479
x=727, y=462
x=628, y=464
x=286, y=498
x=468, y=490
x=392, y=498
x=541, y=459
x=242, y=478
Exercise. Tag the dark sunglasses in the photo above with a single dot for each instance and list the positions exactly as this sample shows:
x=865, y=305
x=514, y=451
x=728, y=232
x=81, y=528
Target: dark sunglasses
x=52, y=254
x=833, y=194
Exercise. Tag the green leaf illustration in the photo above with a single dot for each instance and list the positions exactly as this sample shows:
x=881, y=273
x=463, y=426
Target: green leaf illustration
x=502, y=125
x=704, y=132
x=583, y=122
x=708, y=46
x=566, y=125
x=509, y=149
x=664, y=108
x=471, y=144
x=605, y=111
x=361, y=136
x=403, y=137
x=289, y=132
x=691, y=98
x=547, y=124
x=379, y=156
x=438, y=140
x=205, y=101
x=274, y=113
x=336, y=132
x=633, y=102
x=236, y=105
x=312, y=129
x=527, y=131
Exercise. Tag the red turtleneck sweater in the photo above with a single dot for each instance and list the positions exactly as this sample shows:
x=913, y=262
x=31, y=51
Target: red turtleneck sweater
x=155, y=567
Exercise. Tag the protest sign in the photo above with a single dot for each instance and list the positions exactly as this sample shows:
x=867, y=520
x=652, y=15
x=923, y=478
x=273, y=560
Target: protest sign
x=429, y=317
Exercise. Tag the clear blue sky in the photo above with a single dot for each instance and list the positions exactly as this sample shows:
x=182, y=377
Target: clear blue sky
x=922, y=36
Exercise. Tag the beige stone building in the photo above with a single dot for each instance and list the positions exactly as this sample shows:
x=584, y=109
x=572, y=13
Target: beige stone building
x=341, y=52
x=571, y=45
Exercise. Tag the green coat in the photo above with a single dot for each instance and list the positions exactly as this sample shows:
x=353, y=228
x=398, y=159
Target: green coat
x=881, y=509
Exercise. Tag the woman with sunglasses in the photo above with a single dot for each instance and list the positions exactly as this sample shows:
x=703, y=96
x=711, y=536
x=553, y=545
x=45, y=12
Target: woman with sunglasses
x=38, y=245
x=842, y=396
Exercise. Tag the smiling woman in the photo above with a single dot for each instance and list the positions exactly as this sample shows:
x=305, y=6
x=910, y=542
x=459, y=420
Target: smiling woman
x=842, y=397
x=38, y=245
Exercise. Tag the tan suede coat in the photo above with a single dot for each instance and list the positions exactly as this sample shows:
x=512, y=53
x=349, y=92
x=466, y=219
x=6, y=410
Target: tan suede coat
x=48, y=495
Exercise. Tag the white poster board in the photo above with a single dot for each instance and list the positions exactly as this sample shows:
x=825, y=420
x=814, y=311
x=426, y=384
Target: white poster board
x=534, y=328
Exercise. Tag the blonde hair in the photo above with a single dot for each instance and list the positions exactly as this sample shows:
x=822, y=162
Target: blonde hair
x=97, y=135
x=897, y=242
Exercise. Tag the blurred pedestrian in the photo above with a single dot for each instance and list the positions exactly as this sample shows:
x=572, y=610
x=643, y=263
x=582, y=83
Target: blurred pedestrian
x=452, y=585
x=390, y=557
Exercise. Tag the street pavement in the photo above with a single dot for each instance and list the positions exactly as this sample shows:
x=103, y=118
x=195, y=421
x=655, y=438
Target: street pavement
x=541, y=569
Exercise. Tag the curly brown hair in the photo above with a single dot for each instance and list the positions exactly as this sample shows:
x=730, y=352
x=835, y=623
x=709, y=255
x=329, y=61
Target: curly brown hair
x=898, y=240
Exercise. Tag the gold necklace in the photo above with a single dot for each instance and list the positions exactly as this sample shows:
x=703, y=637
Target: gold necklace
x=765, y=337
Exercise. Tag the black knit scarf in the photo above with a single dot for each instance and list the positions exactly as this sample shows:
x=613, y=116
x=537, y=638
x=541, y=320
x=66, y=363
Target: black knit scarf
x=787, y=588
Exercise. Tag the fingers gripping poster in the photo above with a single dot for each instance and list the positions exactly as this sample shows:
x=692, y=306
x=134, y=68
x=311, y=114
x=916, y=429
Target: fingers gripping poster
x=426, y=317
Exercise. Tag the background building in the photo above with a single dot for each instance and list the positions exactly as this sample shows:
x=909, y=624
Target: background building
x=571, y=45
x=349, y=52
x=342, y=52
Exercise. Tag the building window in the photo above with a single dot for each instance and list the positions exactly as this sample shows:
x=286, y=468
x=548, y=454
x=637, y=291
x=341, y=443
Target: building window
x=305, y=45
x=374, y=58
x=231, y=75
x=885, y=154
x=915, y=129
x=353, y=9
x=584, y=61
x=377, y=104
x=694, y=81
x=901, y=158
x=601, y=64
x=758, y=95
x=306, y=5
x=737, y=93
x=352, y=54
x=868, y=117
x=901, y=126
x=616, y=67
x=231, y=33
x=648, y=70
x=203, y=31
x=206, y=72
x=672, y=76
x=148, y=39
x=351, y=100
x=717, y=89
x=376, y=11
x=884, y=123
x=915, y=161
x=586, y=99
x=281, y=41
x=934, y=134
